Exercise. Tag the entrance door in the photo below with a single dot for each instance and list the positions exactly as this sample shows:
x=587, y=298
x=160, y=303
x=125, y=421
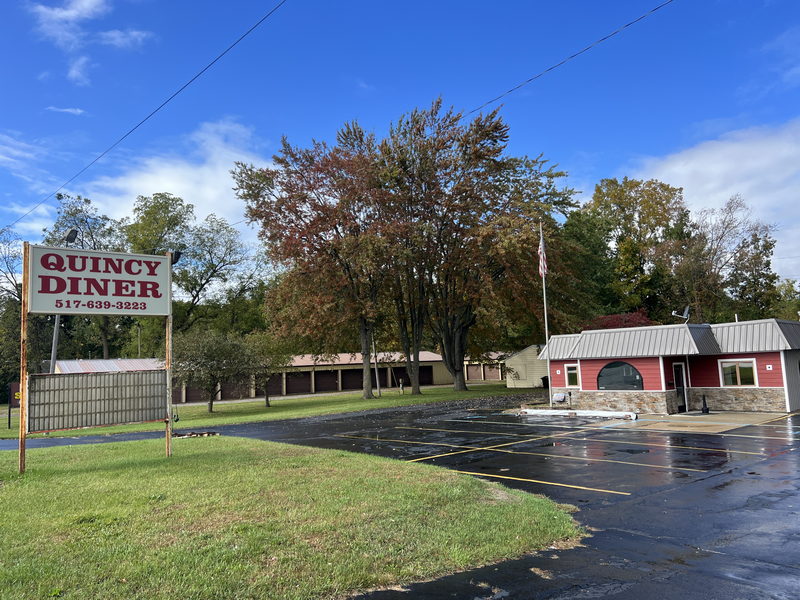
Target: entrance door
x=680, y=385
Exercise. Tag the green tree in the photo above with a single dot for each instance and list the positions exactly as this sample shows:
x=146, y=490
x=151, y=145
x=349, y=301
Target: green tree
x=787, y=303
x=724, y=264
x=751, y=282
x=215, y=257
x=161, y=222
x=642, y=217
x=209, y=358
x=270, y=355
x=101, y=335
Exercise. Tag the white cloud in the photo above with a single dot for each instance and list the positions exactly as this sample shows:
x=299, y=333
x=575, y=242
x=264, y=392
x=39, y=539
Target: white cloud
x=762, y=164
x=60, y=24
x=198, y=171
x=66, y=26
x=79, y=71
x=130, y=38
x=364, y=86
x=15, y=154
x=785, y=49
x=69, y=111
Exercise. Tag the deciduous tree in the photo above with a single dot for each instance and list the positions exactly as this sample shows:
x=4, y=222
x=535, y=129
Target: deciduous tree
x=317, y=211
x=208, y=358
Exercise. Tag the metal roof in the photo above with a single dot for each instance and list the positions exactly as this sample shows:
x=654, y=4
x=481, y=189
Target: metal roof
x=309, y=360
x=661, y=340
x=560, y=346
x=109, y=365
x=768, y=335
x=758, y=336
x=791, y=331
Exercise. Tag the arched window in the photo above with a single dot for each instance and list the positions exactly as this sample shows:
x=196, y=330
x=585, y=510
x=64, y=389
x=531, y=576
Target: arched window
x=619, y=375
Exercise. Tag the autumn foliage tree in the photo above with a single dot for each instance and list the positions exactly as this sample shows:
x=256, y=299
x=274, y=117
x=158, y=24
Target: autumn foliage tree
x=426, y=225
x=318, y=211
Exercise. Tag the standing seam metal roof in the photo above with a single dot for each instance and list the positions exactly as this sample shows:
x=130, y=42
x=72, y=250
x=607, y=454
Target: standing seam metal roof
x=767, y=335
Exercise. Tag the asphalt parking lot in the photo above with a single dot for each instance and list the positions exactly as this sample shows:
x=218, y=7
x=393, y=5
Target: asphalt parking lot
x=676, y=509
x=683, y=511
x=576, y=460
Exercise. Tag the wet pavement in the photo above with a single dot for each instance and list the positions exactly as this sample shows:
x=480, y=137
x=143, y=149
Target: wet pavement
x=672, y=514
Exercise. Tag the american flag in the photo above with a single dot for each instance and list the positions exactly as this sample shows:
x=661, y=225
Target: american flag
x=542, y=257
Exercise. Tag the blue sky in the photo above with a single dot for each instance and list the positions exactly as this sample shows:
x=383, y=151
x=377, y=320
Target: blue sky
x=703, y=94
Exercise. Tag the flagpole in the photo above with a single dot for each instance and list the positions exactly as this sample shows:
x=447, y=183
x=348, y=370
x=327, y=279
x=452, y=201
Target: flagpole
x=543, y=273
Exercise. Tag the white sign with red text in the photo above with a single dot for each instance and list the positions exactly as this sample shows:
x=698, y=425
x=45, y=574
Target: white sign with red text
x=73, y=281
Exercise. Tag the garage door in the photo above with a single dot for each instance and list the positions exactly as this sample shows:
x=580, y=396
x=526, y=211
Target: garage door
x=351, y=379
x=474, y=373
x=492, y=372
x=194, y=394
x=298, y=383
x=326, y=381
x=275, y=384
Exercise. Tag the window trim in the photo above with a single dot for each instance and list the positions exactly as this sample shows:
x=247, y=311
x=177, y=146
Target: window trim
x=577, y=373
x=734, y=359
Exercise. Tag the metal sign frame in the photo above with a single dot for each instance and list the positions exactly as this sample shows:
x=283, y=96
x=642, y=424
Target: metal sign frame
x=118, y=264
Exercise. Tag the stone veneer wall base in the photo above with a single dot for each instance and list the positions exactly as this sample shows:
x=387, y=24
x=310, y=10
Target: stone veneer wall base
x=657, y=402
x=743, y=399
x=634, y=401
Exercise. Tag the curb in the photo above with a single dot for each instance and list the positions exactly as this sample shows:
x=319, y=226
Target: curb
x=611, y=414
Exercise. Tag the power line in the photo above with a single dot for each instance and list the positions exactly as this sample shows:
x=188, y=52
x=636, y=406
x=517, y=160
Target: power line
x=570, y=57
x=152, y=113
x=264, y=18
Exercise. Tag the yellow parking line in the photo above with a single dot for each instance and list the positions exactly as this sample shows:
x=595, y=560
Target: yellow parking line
x=468, y=448
x=575, y=487
x=497, y=448
x=791, y=414
x=665, y=446
x=586, y=439
x=629, y=428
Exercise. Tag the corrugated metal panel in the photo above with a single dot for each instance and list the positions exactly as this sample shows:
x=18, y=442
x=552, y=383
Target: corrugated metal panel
x=560, y=346
x=112, y=365
x=663, y=340
x=309, y=360
x=750, y=336
x=73, y=401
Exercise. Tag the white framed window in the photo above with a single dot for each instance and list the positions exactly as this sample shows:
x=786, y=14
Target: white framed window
x=738, y=372
x=573, y=380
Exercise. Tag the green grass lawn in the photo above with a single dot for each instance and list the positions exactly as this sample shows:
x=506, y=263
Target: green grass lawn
x=234, y=518
x=197, y=417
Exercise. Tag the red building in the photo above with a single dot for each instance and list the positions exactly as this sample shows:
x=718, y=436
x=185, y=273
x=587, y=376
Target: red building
x=750, y=365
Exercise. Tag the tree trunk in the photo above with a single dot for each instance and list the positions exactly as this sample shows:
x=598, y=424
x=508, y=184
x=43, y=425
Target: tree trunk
x=365, y=333
x=453, y=334
x=213, y=396
x=411, y=321
x=104, y=329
